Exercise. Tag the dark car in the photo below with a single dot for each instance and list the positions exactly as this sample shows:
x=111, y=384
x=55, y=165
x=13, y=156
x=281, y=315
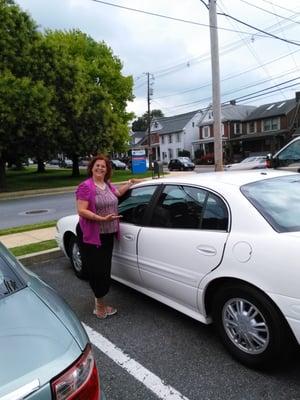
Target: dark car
x=181, y=164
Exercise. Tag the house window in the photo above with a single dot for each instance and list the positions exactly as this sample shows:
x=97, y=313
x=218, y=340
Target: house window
x=222, y=129
x=193, y=124
x=170, y=151
x=178, y=137
x=210, y=115
x=205, y=132
x=162, y=139
x=164, y=154
x=237, y=128
x=271, y=124
x=251, y=127
x=177, y=152
x=170, y=138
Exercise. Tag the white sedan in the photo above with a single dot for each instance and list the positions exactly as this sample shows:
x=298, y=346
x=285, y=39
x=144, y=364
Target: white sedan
x=254, y=162
x=221, y=248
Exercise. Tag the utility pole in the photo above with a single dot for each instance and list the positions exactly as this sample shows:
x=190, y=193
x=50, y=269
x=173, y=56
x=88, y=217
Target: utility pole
x=149, y=120
x=216, y=92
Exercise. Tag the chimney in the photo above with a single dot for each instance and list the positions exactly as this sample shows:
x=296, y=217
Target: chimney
x=233, y=103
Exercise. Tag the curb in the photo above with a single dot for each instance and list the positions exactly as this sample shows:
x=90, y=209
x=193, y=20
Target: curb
x=41, y=256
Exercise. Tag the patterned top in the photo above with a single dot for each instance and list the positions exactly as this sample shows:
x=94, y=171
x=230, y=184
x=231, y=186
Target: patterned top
x=106, y=203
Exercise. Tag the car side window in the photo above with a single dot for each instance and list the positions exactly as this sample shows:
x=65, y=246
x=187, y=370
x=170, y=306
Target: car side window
x=9, y=281
x=215, y=215
x=133, y=205
x=290, y=153
x=188, y=207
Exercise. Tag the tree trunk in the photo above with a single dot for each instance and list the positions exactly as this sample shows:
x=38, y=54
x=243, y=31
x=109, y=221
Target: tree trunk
x=2, y=175
x=75, y=166
x=40, y=165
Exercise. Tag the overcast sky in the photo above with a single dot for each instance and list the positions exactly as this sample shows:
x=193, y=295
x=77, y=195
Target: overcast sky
x=177, y=53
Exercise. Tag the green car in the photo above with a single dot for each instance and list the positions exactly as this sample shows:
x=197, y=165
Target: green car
x=45, y=353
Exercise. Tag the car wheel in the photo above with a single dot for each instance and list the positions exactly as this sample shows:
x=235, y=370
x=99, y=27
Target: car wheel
x=250, y=326
x=75, y=258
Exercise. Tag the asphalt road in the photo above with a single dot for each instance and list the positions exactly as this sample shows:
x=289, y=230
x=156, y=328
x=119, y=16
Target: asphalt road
x=179, y=350
x=31, y=210
x=35, y=209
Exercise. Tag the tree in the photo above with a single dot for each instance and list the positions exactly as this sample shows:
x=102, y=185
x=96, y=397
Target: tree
x=91, y=96
x=141, y=124
x=17, y=35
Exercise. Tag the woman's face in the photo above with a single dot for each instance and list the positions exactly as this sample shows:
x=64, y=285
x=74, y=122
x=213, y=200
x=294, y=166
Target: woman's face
x=99, y=169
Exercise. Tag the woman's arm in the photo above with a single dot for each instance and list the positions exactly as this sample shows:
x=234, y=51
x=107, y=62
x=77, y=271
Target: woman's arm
x=83, y=211
x=123, y=189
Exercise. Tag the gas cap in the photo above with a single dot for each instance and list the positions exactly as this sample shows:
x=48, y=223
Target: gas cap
x=242, y=251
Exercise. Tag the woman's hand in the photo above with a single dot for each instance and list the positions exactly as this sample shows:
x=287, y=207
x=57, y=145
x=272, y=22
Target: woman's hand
x=111, y=217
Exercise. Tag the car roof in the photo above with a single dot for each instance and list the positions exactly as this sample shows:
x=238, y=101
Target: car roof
x=232, y=178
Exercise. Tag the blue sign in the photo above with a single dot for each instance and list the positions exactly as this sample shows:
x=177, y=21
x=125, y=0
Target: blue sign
x=138, y=161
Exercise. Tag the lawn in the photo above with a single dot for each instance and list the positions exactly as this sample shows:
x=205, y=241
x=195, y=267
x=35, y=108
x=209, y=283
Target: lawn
x=28, y=178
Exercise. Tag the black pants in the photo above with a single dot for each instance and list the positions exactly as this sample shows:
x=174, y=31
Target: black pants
x=97, y=261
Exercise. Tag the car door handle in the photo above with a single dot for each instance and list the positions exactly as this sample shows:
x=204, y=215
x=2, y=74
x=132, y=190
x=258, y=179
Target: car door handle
x=207, y=250
x=128, y=237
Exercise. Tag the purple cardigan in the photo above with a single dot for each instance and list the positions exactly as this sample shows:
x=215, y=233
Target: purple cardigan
x=90, y=229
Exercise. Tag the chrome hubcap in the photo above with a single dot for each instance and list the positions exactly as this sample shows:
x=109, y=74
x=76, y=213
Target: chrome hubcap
x=76, y=257
x=245, y=326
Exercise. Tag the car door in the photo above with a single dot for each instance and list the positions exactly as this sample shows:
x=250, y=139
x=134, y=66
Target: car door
x=184, y=242
x=132, y=207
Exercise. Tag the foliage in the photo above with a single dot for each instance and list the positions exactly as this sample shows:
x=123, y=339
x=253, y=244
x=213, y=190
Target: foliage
x=91, y=95
x=184, y=153
x=26, y=228
x=33, y=247
x=141, y=124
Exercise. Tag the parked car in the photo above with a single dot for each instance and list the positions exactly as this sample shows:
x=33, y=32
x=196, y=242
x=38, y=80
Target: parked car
x=117, y=164
x=288, y=157
x=219, y=247
x=54, y=162
x=254, y=162
x=45, y=351
x=181, y=164
x=66, y=163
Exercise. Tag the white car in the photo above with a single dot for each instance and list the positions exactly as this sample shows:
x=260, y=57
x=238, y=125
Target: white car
x=254, y=162
x=221, y=248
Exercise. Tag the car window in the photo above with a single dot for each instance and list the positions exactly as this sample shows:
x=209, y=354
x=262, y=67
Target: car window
x=290, y=153
x=189, y=208
x=278, y=200
x=133, y=205
x=9, y=281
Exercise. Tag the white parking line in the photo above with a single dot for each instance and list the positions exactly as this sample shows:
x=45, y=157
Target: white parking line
x=151, y=381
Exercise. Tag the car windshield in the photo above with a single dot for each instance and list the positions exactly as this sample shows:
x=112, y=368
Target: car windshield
x=9, y=281
x=248, y=159
x=278, y=200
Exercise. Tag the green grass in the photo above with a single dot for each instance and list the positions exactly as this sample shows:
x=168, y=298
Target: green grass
x=29, y=179
x=33, y=248
x=25, y=228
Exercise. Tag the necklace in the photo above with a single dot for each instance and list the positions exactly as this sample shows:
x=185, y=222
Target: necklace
x=101, y=186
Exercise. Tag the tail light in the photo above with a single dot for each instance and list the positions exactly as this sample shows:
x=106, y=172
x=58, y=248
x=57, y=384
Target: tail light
x=80, y=381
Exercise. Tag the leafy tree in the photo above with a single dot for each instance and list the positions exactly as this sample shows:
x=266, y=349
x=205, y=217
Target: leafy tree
x=17, y=34
x=141, y=124
x=91, y=96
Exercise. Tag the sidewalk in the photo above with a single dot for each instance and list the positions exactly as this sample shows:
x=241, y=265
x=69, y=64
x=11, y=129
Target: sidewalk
x=28, y=237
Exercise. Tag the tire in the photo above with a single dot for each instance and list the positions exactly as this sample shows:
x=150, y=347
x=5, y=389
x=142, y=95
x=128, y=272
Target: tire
x=75, y=258
x=250, y=326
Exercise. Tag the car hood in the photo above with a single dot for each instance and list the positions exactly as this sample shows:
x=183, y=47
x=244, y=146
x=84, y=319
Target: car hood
x=34, y=342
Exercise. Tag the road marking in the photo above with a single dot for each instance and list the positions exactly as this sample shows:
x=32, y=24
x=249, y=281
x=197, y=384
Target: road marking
x=150, y=380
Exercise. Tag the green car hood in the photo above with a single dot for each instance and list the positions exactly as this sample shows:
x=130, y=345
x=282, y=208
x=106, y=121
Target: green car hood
x=36, y=338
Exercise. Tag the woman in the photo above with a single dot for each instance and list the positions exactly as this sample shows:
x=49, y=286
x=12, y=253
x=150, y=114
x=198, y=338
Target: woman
x=97, y=206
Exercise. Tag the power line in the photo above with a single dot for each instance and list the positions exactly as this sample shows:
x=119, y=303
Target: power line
x=276, y=5
x=167, y=17
x=259, y=30
x=269, y=12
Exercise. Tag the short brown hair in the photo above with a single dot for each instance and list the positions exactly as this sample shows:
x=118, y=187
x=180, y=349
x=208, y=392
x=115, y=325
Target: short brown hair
x=108, y=166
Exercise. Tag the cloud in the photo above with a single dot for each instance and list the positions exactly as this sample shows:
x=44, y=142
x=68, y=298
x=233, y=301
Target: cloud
x=178, y=54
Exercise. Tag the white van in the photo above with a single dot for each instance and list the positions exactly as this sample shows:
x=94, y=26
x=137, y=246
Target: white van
x=288, y=157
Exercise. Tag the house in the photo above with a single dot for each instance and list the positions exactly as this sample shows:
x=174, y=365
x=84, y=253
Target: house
x=267, y=128
x=232, y=117
x=170, y=135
